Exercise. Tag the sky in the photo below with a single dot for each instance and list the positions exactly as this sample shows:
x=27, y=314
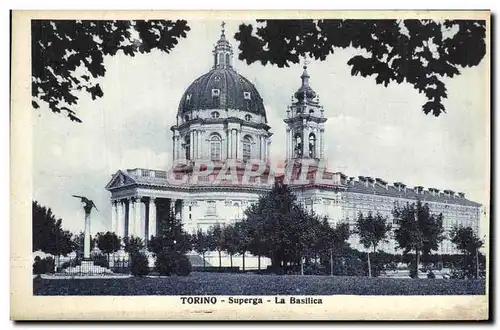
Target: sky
x=371, y=130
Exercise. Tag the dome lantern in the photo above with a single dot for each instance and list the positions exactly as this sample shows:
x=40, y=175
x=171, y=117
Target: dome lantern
x=223, y=52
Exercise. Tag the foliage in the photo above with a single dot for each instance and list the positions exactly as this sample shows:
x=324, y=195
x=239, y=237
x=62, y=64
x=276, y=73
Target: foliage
x=48, y=235
x=170, y=246
x=170, y=262
x=201, y=243
x=108, y=242
x=171, y=236
x=139, y=264
x=418, y=230
x=372, y=230
x=68, y=56
x=230, y=241
x=133, y=244
x=281, y=228
x=467, y=241
x=78, y=242
x=331, y=243
x=43, y=266
x=423, y=53
x=217, y=242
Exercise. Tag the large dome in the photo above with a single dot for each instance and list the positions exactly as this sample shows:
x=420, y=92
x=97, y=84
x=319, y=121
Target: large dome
x=222, y=88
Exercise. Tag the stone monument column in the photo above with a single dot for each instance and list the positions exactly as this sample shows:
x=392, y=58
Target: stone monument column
x=86, y=243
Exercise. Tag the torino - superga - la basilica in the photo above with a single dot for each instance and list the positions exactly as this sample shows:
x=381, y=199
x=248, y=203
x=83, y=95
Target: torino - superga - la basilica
x=222, y=128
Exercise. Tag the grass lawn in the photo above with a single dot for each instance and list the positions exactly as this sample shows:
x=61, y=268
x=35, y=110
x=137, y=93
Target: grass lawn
x=251, y=284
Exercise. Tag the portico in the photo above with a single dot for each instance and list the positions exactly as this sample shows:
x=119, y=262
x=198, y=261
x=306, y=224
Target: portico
x=137, y=209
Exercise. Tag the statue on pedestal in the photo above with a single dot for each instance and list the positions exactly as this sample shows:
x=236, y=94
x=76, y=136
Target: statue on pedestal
x=88, y=205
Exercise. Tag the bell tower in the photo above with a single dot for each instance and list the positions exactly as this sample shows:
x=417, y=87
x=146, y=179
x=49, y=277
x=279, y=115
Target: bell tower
x=305, y=123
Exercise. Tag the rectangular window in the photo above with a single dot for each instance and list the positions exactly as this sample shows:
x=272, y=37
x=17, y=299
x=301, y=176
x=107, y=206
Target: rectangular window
x=211, y=210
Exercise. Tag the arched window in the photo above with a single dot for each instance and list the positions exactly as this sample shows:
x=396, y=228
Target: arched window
x=221, y=59
x=215, y=147
x=311, y=111
x=248, y=118
x=215, y=115
x=186, y=117
x=312, y=145
x=247, y=147
x=297, y=145
x=187, y=147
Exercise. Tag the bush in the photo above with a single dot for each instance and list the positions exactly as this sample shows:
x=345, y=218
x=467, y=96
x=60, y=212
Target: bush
x=139, y=264
x=315, y=269
x=170, y=262
x=43, y=266
x=431, y=274
x=182, y=265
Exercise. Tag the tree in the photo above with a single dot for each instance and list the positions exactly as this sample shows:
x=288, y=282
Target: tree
x=230, y=241
x=417, y=230
x=372, y=230
x=47, y=232
x=331, y=241
x=216, y=240
x=422, y=53
x=171, y=245
x=280, y=228
x=68, y=55
x=201, y=244
x=108, y=243
x=242, y=240
x=466, y=240
x=133, y=244
x=254, y=229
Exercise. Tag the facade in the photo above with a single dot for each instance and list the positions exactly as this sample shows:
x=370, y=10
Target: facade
x=221, y=127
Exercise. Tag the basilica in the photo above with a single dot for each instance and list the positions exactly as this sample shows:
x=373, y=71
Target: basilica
x=221, y=124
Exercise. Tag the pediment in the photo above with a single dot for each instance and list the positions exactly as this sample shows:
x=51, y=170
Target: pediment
x=119, y=179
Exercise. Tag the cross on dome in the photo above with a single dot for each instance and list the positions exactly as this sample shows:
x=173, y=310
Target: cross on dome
x=222, y=25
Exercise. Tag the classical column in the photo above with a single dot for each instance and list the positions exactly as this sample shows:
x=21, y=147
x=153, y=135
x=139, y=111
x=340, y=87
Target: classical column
x=174, y=147
x=287, y=143
x=152, y=217
x=131, y=217
x=191, y=145
x=113, y=216
x=172, y=207
x=317, y=144
x=322, y=143
x=229, y=144
x=120, y=219
x=138, y=218
x=233, y=143
x=305, y=142
x=200, y=144
x=238, y=143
